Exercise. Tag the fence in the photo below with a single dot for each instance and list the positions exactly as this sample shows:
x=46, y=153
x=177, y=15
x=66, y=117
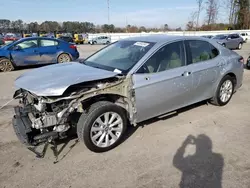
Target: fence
x=118, y=36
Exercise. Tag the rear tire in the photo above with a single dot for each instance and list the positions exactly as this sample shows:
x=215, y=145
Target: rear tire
x=6, y=65
x=63, y=58
x=239, y=46
x=93, y=131
x=224, y=91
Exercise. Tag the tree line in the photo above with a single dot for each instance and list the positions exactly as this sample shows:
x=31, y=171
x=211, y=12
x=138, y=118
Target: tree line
x=18, y=26
x=237, y=13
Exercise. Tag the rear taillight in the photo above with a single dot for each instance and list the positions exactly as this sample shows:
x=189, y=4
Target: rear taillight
x=241, y=60
x=72, y=46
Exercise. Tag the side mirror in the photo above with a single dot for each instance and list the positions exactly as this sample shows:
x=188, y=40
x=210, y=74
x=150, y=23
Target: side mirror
x=229, y=38
x=17, y=48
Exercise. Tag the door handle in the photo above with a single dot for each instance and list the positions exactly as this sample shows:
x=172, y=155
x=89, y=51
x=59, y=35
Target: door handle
x=147, y=78
x=34, y=50
x=186, y=73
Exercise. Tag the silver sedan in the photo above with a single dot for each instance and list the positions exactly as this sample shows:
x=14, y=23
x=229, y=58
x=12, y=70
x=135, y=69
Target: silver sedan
x=127, y=82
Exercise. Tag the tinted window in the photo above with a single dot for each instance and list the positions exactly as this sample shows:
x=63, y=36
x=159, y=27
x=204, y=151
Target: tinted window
x=27, y=44
x=169, y=57
x=201, y=51
x=48, y=42
x=235, y=36
x=220, y=37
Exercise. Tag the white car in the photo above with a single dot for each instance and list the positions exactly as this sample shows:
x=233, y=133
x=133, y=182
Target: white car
x=244, y=35
x=100, y=40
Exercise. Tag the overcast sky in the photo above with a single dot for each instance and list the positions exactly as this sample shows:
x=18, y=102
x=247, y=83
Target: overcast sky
x=150, y=13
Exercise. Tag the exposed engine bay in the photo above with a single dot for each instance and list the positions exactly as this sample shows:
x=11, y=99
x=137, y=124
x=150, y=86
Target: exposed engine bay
x=40, y=119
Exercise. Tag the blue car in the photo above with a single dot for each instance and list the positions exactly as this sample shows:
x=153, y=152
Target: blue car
x=36, y=51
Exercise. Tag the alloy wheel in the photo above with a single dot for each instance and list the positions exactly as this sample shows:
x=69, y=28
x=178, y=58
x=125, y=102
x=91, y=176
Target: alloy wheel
x=63, y=58
x=6, y=66
x=226, y=91
x=106, y=129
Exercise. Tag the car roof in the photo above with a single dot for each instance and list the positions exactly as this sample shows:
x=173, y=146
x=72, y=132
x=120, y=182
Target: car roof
x=30, y=38
x=163, y=38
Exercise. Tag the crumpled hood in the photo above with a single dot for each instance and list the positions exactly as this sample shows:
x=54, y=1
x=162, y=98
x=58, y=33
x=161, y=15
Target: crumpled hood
x=53, y=80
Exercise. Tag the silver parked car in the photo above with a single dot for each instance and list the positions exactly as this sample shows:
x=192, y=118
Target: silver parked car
x=231, y=41
x=126, y=82
x=100, y=40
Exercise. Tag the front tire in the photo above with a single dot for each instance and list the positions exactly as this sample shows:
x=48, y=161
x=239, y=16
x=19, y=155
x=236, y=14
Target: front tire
x=224, y=91
x=6, y=65
x=239, y=46
x=102, y=127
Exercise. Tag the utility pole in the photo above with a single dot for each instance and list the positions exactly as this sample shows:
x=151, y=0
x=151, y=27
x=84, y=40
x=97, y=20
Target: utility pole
x=108, y=10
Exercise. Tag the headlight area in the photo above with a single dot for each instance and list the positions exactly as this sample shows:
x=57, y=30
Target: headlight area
x=38, y=120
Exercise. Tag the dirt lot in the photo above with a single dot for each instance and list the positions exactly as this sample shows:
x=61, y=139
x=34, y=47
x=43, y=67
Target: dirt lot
x=148, y=157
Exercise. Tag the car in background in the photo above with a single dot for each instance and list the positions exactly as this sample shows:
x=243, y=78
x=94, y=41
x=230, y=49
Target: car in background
x=35, y=51
x=66, y=38
x=100, y=40
x=207, y=36
x=11, y=37
x=230, y=41
x=1, y=40
x=78, y=39
x=244, y=35
x=125, y=83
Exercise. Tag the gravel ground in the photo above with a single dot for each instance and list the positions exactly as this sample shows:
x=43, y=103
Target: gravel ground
x=153, y=155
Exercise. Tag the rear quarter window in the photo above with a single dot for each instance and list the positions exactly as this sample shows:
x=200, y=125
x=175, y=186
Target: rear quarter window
x=200, y=51
x=45, y=43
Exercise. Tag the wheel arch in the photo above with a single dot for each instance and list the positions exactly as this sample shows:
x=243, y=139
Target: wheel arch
x=114, y=98
x=233, y=76
x=62, y=52
x=117, y=99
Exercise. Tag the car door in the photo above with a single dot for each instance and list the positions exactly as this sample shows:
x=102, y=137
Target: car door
x=48, y=49
x=230, y=41
x=162, y=83
x=204, y=64
x=25, y=53
x=236, y=40
x=100, y=40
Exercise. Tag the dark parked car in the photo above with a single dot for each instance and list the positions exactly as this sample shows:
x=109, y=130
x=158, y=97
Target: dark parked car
x=36, y=50
x=231, y=41
x=248, y=63
x=67, y=38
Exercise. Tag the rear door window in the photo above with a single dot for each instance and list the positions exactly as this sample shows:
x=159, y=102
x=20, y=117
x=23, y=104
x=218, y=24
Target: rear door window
x=200, y=51
x=27, y=44
x=45, y=43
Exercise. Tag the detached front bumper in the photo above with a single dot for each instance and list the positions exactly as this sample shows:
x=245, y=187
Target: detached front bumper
x=23, y=128
x=22, y=125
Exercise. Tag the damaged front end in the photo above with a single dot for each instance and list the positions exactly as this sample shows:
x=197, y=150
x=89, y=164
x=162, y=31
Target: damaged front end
x=41, y=119
x=37, y=121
